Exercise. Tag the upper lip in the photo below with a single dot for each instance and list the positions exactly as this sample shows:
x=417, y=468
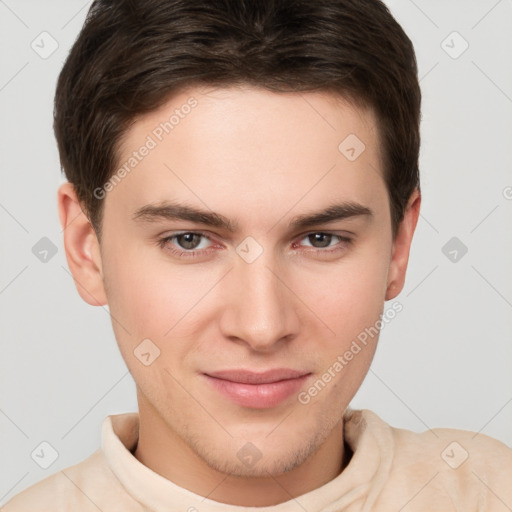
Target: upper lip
x=250, y=377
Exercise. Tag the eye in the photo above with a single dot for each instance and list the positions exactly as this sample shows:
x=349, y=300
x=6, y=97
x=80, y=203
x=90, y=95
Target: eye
x=321, y=240
x=189, y=241
x=191, y=244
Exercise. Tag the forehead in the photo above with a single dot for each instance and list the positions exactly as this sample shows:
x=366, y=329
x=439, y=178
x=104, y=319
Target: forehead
x=244, y=147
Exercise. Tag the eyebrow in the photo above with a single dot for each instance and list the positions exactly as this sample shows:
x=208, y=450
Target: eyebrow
x=176, y=211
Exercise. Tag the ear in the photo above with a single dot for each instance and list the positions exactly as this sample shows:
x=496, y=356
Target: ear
x=82, y=247
x=402, y=245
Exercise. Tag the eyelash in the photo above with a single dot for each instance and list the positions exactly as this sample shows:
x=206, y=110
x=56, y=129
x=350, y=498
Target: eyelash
x=194, y=253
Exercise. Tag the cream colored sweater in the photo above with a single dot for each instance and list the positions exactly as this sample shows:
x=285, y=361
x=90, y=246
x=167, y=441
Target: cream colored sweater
x=391, y=470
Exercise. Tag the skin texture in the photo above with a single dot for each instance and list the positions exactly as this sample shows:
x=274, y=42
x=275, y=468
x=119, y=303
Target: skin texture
x=258, y=158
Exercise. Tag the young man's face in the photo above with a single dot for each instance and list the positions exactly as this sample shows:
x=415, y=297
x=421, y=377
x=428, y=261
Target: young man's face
x=268, y=294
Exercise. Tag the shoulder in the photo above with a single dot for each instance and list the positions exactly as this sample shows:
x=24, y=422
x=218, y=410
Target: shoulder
x=460, y=453
x=87, y=486
x=453, y=466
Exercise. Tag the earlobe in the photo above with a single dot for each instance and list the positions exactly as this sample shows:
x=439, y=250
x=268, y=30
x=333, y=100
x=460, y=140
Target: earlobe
x=82, y=247
x=402, y=245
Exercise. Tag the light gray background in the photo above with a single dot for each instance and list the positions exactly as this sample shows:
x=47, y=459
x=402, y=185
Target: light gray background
x=445, y=360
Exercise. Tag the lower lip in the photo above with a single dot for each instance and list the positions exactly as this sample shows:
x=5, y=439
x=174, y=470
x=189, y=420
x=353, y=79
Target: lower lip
x=258, y=396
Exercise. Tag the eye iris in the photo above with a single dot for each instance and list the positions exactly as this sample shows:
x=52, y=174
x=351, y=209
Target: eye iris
x=189, y=240
x=323, y=238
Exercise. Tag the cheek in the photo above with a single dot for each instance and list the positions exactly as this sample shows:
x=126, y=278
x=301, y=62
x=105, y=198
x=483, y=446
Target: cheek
x=351, y=310
x=150, y=298
x=145, y=304
x=350, y=303
x=140, y=295
x=134, y=294
x=349, y=294
x=146, y=291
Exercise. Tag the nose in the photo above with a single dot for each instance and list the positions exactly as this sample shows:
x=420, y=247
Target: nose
x=259, y=308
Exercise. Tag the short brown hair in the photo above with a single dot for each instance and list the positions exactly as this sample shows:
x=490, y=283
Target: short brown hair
x=131, y=55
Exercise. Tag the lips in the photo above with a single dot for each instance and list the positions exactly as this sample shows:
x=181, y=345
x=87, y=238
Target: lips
x=257, y=390
x=248, y=377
